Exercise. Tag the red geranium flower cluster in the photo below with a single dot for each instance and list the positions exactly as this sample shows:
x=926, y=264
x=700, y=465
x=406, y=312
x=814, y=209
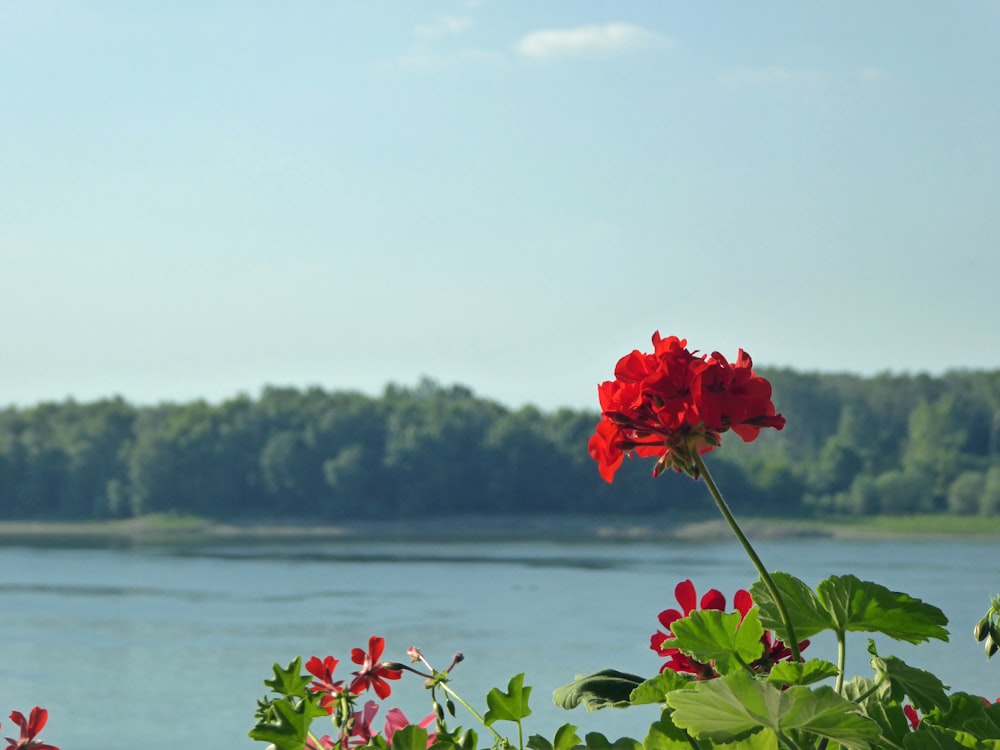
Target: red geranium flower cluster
x=355, y=726
x=30, y=728
x=672, y=403
x=772, y=650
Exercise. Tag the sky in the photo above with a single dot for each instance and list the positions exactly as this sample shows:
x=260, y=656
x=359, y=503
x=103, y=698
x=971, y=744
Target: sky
x=198, y=199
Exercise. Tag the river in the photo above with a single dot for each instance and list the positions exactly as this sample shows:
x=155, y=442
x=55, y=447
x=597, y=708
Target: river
x=163, y=648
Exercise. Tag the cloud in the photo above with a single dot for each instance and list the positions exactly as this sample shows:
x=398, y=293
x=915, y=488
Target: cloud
x=432, y=48
x=588, y=41
x=771, y=77
x=444, y=26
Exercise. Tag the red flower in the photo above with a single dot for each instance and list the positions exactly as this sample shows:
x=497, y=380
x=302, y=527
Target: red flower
x=30, y=729
x=688, y=599
x=396, y=720
x=323, y=672
x=773, y=650
x=912, y=716
x=361, y=727
x=671, y=404
x=362, y=732
x=372, y=674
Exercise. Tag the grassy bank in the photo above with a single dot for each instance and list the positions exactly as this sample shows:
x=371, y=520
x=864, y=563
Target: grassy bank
x=172, y=529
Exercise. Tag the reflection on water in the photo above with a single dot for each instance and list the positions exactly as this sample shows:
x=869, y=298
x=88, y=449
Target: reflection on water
x=175, y=642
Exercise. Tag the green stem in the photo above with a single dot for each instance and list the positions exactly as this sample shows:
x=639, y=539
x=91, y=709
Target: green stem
x=474, y=712
x=785, y=741
x=841, y=661
x=716, y=494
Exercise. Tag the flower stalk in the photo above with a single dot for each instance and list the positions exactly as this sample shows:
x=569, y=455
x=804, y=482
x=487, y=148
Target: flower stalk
x=727, y=514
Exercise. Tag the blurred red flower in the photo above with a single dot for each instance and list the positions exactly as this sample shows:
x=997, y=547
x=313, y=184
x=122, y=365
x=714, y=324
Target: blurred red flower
x=30, y=728
x=322, y=670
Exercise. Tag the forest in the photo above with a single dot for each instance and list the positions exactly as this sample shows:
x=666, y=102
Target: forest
x=886, y=444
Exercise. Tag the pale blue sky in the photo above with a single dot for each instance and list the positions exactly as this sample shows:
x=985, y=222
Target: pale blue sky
x=200, y=198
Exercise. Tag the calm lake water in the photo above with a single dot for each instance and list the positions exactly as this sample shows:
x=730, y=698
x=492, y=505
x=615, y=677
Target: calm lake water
x=161, y=648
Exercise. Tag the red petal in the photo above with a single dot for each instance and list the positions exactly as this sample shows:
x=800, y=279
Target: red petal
x=743, y=602
x=38, y=718
x=686, y=596
x=713, y=600
x=668, y=617
x=376, y=646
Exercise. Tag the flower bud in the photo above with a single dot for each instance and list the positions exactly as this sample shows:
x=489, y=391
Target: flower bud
x=982, y=629
x=991, y=647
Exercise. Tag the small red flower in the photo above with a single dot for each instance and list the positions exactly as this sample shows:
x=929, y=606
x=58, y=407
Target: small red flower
x=396, y=720
x=322, y=670
x=773, y=650
x=30, y=728
x=373, y=674
x=361, y=727
x=362, y=731
x=912, y=716
x=688, y=600
x=673, y=404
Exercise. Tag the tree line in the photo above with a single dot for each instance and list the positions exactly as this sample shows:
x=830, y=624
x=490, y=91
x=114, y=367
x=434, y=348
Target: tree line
x=889, y=444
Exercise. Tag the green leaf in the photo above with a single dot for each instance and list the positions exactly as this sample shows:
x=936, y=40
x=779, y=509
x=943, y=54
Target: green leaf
x=565, y=739
x=709, y=635
x=802, y=672
x=655, y=689
x=930, y=737
x=987, y=724
x=859, y=605
x=609, y=687
x=290, y=680
x=597, y=741
x=410, y=737
x=726, y=709
x=765, y=739
x=891, y=720
x=968, y=713
x=822, y=712
x=733, y=707
x=287, y=725
x=469, y=740
x=805, y=610
x=897, y=679
x=509, y=706
x=665, y=735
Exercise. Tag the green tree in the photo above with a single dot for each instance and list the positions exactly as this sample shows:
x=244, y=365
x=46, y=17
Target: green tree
x=965, y=494
x=990, y=504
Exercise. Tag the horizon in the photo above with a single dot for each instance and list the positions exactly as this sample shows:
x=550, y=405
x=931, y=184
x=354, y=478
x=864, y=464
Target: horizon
x=256, y=393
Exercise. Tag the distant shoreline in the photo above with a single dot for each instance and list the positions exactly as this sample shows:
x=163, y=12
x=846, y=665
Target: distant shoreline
x=167, y=529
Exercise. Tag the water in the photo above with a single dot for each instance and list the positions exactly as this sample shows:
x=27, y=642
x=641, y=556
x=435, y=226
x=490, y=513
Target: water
x=165, y=648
